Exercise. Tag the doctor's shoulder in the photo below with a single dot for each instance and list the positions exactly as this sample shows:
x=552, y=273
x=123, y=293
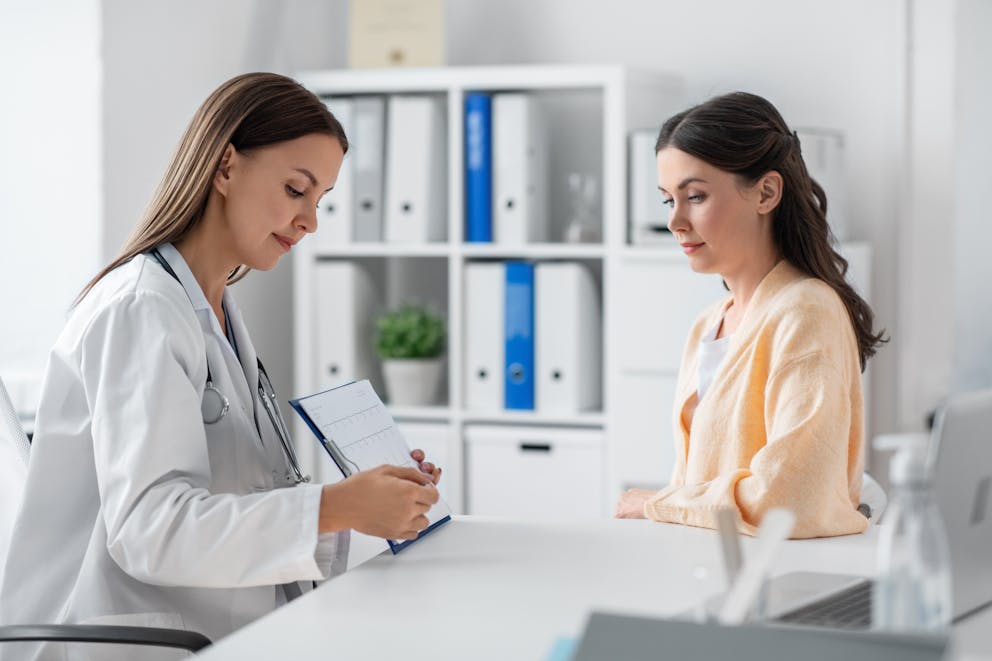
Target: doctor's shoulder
x=137, y=301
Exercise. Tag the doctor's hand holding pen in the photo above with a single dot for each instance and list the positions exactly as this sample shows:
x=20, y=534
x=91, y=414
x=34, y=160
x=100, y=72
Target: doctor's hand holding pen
x=387, y=501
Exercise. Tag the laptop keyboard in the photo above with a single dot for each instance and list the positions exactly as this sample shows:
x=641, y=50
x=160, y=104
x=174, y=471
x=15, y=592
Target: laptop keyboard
x=850, y=609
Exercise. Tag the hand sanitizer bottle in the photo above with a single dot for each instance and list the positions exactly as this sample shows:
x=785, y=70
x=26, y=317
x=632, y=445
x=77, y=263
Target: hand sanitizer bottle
x=912, y=590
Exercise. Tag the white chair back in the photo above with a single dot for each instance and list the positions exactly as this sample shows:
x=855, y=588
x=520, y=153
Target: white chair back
x=13, y=470
x=873, y=495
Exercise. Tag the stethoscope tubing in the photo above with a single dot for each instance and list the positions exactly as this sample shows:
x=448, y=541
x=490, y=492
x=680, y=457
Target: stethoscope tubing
x=268, y=396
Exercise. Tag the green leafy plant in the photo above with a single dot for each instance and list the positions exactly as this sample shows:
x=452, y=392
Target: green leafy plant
x=410, y=331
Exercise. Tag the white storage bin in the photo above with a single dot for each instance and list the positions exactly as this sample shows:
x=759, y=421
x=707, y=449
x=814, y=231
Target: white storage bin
x=535, y=472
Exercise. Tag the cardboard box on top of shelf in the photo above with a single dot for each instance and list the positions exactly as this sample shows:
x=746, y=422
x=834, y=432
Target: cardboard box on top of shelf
x=395, y=33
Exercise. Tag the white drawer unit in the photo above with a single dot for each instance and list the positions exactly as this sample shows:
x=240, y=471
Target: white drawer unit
x=535, y=472
x=641, y=436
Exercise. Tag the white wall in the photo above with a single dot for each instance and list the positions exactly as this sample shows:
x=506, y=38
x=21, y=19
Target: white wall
x=50, y=179
x=945, y=311
x=925, y=237
x=971, y=186
x=161, y=60
x=845, y=63
x=837, y=64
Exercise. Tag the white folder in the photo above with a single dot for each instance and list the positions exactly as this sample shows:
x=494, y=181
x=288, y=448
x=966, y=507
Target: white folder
x=485, y=283
x=416, y=174
x=520, y=170
x=368, y=146
x=648, y=214
x=567, y=328
x=346, y=301
x=335, y=214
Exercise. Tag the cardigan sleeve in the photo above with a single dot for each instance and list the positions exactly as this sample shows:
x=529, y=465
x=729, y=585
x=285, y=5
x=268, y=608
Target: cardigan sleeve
x=803, y=466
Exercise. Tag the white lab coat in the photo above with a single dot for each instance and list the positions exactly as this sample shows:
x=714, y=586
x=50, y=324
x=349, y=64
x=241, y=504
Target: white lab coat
x=135, y=511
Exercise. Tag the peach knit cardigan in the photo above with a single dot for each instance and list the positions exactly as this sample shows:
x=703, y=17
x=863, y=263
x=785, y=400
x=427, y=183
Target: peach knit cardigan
x=781, y=425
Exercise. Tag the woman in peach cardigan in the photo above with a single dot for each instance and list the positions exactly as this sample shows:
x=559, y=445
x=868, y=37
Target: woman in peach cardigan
x=768, y=408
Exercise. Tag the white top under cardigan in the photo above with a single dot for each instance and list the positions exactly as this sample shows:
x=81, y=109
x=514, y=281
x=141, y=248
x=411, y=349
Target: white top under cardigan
x=712, y=351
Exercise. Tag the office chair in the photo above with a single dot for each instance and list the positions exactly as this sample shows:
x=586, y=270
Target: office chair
x=14, y=448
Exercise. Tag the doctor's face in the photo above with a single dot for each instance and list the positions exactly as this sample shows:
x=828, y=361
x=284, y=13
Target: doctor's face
x=271, y=195
x=713, y=215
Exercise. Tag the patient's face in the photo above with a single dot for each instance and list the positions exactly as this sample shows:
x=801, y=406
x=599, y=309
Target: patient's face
x=714, y=216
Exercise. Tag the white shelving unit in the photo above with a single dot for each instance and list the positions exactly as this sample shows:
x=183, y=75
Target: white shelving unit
x=649, y=296
x=606, y=102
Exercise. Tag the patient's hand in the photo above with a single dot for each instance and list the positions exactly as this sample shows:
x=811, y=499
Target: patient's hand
x=631, y=504
x=426, y=466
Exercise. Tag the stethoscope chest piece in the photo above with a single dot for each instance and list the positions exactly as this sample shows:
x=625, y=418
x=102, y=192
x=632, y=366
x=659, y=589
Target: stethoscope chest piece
x=214, y=404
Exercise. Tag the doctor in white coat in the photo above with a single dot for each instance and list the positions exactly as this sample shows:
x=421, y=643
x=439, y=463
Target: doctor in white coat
x=148, y=501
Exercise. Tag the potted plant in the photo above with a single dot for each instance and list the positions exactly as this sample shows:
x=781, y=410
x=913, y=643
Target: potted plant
x=410, y=340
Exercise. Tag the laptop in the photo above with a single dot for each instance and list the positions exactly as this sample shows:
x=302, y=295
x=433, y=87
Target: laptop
x=631, y=638
x=960, y=457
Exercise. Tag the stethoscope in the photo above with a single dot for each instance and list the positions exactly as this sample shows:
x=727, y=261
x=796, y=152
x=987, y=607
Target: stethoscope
x=215, y=404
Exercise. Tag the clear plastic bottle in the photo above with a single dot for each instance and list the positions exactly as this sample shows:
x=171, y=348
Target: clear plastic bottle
x=912, y=590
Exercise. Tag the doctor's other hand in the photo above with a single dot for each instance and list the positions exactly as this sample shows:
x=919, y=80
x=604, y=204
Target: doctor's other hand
x=631, y=504
x=388, y=501
x=426, y=466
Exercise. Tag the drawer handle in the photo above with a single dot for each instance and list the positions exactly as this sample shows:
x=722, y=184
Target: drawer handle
x=535, y=447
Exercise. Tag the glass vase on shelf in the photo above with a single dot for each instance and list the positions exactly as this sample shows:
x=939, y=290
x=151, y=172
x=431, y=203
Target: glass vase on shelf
x=583, y=224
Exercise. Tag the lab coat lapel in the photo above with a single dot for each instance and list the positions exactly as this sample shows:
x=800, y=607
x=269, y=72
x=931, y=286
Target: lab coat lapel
x=249, y=359
x=237, y=375
x=268, y=436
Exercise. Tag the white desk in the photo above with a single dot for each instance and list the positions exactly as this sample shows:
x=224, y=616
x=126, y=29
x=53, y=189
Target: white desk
x=483, y=588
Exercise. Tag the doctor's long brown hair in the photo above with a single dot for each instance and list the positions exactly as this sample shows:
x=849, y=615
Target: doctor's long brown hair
x=249, y=111
x=745, y=135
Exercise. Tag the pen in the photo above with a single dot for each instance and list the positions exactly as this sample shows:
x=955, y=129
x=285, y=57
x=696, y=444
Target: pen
x=339, y=458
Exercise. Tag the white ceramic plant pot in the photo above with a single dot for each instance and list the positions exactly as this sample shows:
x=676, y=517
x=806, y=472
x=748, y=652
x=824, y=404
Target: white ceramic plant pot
x=412, y=381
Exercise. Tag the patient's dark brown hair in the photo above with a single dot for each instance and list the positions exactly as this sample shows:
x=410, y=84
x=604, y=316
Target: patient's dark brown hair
x=745, y=135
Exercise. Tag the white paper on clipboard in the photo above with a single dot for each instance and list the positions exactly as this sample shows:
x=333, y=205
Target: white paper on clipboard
x=353, y=425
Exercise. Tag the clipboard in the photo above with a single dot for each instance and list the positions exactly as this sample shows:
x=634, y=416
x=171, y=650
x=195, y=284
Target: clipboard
x=354, y=427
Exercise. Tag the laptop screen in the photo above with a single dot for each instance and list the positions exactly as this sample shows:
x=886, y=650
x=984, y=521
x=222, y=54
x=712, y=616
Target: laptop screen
x=961, y=465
